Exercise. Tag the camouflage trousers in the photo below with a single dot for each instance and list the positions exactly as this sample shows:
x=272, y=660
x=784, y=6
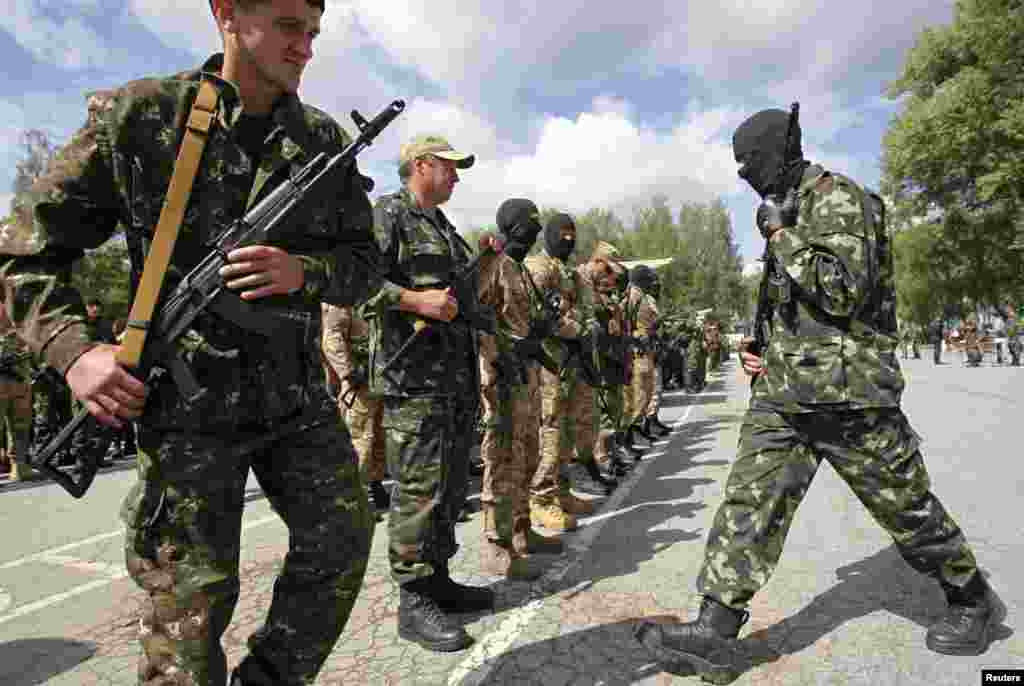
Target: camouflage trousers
x=613, y=416
x=428, y=444
x=567, y=425
x=641, y=392
x=510, y=449
x=696, y=366
x=184, y=524
x=875, y=451
x=364, y=423
x=51, y=412
x=16, y=415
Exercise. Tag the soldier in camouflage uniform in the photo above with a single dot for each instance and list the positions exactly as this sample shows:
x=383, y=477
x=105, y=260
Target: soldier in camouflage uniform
x=15, y=400
x=561, y=393
x=696, y=362
x=424, y=365
x=1013, y=342
x=644, y=414
x=93, y=441
x=346, y=346
x=828, y=387
x=972, y=344
x=265, y=407
x=510, y=381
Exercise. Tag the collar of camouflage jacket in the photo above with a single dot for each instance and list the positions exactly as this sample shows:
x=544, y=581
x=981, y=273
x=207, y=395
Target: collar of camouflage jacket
x=435, y=217
x=288, y=114
x=812, y=174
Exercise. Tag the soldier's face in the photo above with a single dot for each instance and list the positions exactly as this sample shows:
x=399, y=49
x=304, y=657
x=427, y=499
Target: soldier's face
x=274, y=40
x=440, y=177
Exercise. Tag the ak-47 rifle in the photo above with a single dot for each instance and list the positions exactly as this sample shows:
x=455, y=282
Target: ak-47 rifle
x=203, y=289
x=780, y=207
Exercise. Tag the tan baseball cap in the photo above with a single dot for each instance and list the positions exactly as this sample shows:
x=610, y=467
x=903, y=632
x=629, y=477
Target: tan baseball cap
x=436, y=146
x=609, y=253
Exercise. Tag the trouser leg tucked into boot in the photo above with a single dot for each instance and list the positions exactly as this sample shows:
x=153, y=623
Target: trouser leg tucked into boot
x=422, y=621
x=549, y=514
x=706, y=644
x=964, y=630
x=665, y=429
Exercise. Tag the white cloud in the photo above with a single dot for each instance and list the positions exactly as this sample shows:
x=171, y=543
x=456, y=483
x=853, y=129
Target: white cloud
x=599, y=159
x=5, y=203
x=67, y=42
x=184, y=25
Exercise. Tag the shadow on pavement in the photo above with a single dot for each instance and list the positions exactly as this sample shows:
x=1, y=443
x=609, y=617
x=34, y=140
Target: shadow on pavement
x=880, y=582
x=27, y=662
x=605, y=654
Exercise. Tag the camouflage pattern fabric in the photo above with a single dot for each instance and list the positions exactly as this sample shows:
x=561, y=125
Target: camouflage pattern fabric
x=696, y=364
x=874, y=450
x=642, y=389
x=431, y=395
x=428, y=456
x=552, y=275
x=510, y=448
x=346, y=349
x=51, y=412
x=420, y=249
x=16, y=413
x=184, y=519
x=834, y=334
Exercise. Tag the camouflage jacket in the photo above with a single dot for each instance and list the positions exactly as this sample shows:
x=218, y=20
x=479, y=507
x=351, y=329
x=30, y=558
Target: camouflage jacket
x=552, y=275
x=833, y=330
x=115, y=172
x=345, y=342
x=419, y=250
x=15, y=358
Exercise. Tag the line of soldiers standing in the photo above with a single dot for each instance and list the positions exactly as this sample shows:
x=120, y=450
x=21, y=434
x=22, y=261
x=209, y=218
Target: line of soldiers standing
x=567, y=376
x=35, y=404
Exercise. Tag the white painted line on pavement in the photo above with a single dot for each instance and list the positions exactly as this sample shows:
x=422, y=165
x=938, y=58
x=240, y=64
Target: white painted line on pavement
x=111, y=573
x=501, y=639
x=5, y=600
x=61, y=549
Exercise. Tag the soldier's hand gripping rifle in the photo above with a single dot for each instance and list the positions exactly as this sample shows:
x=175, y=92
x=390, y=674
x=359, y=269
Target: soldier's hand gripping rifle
x=202, y=289
x=778, y=210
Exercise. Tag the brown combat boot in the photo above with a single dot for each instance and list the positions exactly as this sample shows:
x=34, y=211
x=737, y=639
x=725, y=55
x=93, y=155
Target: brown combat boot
x=499, y=559
x=550, y=515
x=525, y=540
x=577, y=506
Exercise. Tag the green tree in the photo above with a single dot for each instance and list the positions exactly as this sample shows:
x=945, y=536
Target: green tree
x=956, y=150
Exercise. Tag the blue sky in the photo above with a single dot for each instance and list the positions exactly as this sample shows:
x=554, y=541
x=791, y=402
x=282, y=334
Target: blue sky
x=573, y=104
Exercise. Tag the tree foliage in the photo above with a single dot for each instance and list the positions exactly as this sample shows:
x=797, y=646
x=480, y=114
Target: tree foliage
x=956, y=154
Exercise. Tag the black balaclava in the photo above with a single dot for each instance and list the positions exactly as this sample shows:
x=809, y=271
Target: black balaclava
x=645, y=278
x=556, y=246
x=759, y=145
x=519, y=223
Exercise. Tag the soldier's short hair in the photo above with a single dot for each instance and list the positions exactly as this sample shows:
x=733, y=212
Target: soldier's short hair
x=319, y=4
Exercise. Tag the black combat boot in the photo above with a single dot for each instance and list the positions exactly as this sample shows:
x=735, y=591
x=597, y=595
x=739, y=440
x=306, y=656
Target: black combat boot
x=451, y=596
x=380, y=496
x=706, y=644
x=626, y=441
x=422, y=621
x=657, y=425
x=965, y=628
x=587, y=478
x=254, y=671
x=641, y=428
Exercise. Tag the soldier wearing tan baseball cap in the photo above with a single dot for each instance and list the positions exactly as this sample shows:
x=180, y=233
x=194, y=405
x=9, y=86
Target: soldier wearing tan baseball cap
x=437, y=147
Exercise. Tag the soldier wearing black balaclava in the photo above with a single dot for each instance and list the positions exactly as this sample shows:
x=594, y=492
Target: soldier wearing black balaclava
x=826, y=386
x=510, y=392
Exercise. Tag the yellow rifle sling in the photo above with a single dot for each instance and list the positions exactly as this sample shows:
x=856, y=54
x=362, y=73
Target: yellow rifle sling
x=171, y=215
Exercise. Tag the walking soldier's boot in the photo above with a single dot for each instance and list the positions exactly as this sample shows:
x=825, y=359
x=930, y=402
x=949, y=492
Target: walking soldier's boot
x=254, y=671
x=422, y=621
x=964, y=630
x=525, y=540
x=706, y=644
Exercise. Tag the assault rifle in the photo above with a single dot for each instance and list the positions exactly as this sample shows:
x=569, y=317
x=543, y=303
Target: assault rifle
x=783, y=207
x=202, y=289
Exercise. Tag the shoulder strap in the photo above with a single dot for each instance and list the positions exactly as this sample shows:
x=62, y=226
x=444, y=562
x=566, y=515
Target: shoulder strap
x=171, y=215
